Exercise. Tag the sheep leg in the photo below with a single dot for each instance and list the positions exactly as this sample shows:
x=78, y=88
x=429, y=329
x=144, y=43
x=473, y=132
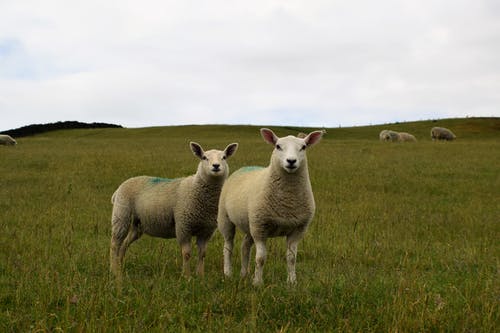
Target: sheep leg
x=133, y=235
x=246, y=246
x=120, y=224
x=228, y=233
x=292, y=241
x=202, y=249
x=260, y=260
x=186, y=255
x=113, y=255
x=228, y=251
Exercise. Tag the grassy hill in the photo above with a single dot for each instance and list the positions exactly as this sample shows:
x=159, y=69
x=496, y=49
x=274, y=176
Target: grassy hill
x=405, y=236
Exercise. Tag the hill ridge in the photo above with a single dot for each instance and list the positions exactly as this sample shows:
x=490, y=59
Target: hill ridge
x=34, y=129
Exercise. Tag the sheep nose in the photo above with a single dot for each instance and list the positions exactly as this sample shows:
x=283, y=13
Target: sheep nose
x=216, y=166
x=291, y=161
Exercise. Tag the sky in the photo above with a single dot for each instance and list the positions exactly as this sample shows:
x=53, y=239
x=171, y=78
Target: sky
x=306, y=63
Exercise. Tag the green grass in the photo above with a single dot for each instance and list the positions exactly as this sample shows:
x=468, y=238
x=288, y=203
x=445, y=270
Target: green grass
x=405, y=236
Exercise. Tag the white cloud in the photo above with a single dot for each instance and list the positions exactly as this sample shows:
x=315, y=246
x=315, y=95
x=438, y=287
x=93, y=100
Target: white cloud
x=320, y=63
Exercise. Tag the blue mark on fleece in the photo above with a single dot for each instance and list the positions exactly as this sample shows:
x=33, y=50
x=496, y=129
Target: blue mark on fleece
x=157, y=180
x=250, y=168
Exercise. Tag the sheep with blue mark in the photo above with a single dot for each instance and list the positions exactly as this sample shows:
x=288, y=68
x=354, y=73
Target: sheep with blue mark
x=179, y=208
x=269, y=202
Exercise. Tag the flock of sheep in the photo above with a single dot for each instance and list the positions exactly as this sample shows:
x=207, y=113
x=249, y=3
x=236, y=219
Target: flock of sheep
x=437, y=133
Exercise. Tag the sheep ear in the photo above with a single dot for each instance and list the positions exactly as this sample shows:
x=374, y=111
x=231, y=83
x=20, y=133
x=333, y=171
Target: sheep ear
x=268, y=136
x=231, y=149
x=196, y=149
x=313, y=138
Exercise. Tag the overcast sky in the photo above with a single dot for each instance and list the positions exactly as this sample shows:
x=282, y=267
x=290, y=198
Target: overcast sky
x=264, y=62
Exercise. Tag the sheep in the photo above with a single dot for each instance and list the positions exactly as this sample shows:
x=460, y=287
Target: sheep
x=269, y=202
x=388, y=135
x=179, y=208
x=7, y=140
x=406, y=137
x=441, y=133
x=392, y=136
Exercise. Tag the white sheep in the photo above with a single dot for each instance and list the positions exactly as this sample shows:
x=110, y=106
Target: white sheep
x=269, y=202
x=406, y=137
x=179, y=208
x=392, y=136
x=388, y=135
x=7, y=140
x=441, y=133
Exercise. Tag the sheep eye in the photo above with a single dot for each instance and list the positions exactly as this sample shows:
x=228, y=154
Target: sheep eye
x=224, y=157
x=204, y=158
x=278, y=147
x=304, y=147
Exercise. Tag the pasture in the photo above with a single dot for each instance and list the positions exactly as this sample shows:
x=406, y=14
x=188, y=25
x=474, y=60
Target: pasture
x=406, y=237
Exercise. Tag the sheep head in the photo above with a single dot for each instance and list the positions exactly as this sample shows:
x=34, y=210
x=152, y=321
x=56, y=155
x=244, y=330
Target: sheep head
x=213, y=162
x=290, y=151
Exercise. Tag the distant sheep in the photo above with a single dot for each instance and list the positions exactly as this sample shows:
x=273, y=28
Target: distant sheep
x=269, y=202
x=179, y=208
x=388, y=135
x=7, y=140
x=441, y=133
x=392, y=136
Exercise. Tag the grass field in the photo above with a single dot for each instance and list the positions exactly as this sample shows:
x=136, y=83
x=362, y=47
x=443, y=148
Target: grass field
x=406, y=237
